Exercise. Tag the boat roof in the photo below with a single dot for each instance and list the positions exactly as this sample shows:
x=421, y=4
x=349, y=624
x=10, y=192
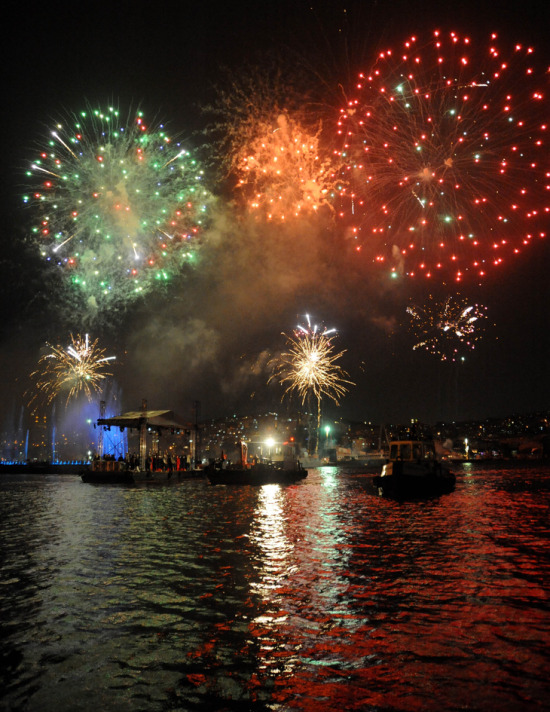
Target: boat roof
x=162, y=419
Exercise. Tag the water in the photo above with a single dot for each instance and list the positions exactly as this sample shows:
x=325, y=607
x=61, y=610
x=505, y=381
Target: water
x=317, y=596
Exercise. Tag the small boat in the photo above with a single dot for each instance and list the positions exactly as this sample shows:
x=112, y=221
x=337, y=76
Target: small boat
x=106, y=472
x=413, y=470
x=367, y=463
x=263, y=473
x=255, y=473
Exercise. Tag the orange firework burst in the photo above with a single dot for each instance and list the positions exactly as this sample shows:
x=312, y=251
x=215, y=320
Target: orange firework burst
x=273, y=148
x=281, y=170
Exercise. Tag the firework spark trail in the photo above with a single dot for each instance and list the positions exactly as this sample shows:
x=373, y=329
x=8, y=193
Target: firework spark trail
x=273, y=148
x=282, y=171
x=447, y=328
x=312, y=329
x=446, y=150
x=80, y=367
x=118, y=206
x=308, y=367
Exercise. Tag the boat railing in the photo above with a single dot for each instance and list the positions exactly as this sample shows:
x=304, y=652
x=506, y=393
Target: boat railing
x=109, y=465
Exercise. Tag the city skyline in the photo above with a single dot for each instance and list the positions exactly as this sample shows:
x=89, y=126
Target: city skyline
x=44, y=440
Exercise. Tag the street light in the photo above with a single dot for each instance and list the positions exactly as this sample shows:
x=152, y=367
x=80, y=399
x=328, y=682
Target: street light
x=270, y=442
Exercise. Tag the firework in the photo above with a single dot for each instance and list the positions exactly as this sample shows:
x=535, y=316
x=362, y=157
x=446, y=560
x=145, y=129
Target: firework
x=446, y=149
x=308, y=367
x=273, y=148
x=447, y=328
x=281, y=171
x=312, y=330
x=80, y=367
x=118, y=206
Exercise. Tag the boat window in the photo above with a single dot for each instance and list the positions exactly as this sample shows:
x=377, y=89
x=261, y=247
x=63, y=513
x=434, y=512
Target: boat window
x=417, y=451
x=406, y=451
x=394, y=452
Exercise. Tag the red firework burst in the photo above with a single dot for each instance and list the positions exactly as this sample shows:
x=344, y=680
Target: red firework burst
x=445, y=146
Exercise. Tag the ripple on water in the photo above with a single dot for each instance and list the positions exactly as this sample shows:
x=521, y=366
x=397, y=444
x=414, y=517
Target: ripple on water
x=320, y=595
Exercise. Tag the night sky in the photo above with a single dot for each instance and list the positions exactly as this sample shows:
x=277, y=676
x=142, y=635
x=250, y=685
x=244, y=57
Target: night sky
x=211, y=338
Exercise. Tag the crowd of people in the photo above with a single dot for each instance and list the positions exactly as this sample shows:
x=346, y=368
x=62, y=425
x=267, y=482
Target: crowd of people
x=154, y=462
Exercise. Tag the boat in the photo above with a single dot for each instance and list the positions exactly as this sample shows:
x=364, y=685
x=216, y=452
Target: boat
x=413, y=470
x=142, y=469
x=266, y=472
x=263, y=473
x=367, y=463
x=108, y=471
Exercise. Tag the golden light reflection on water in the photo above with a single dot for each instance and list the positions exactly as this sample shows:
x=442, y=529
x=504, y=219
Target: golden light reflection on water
x=269, y=535
x=301, y=538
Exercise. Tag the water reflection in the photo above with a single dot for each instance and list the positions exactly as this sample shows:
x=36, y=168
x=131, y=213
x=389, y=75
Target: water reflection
x=303, y=538
x=268, y=533
x=318, y=595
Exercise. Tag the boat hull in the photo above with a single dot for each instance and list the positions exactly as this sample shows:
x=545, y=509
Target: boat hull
x=136, y=477
x=255, y=475
x=413, y=486
x=361, y=466
x=416, y=483
x=104, y=477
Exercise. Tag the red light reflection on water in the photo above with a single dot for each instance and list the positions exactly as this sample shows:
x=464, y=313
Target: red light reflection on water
x=360, y=603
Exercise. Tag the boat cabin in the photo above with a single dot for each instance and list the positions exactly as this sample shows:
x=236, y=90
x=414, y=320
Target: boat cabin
x=412, y=450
